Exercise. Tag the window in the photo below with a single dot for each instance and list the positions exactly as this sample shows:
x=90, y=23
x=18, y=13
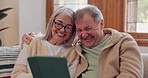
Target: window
x=137, y=16
x=137, y=20
x=73, y=4
x=51, y=5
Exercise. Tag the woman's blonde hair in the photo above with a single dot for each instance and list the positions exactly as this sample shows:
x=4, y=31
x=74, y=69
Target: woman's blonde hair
x=70, y=14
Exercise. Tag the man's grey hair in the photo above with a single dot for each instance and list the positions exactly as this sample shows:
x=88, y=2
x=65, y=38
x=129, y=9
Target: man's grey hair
x=90, y=9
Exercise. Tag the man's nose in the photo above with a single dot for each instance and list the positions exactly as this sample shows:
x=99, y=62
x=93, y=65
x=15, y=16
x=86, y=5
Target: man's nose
x=84, y=34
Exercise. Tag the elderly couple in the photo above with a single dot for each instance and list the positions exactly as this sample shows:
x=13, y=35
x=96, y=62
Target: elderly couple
x=97, y=53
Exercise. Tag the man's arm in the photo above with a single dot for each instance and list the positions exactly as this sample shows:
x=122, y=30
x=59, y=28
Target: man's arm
x=131, y=63
x=27, y=38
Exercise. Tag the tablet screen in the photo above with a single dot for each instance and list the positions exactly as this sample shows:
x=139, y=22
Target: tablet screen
x=48, y=67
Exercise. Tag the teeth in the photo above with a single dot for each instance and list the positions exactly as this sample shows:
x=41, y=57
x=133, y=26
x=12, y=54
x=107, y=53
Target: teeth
x=88, y=38
x=60, y=34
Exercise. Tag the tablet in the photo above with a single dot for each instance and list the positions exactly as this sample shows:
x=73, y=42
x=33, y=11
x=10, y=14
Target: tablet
x=48, y=67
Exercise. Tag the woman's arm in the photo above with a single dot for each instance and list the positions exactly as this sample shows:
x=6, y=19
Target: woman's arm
x=21, y=68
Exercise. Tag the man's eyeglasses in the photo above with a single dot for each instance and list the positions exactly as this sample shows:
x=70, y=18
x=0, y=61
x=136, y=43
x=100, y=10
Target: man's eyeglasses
x=59, y=25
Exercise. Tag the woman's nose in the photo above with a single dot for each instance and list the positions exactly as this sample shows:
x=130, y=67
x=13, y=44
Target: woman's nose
x=62, y=29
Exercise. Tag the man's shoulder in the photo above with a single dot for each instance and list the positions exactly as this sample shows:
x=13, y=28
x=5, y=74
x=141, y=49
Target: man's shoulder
x=127, y=35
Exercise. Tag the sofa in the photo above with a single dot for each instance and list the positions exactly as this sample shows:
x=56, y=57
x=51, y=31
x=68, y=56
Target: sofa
x=145, y=63
x=8, y=56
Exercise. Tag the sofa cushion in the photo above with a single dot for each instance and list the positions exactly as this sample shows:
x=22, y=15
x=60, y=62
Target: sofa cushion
x=8, y=56
x=145, y=63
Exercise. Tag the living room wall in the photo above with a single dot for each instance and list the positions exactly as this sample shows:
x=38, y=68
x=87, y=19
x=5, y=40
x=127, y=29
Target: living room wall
x=10, y=36
x=31, y=16
x=26, y=16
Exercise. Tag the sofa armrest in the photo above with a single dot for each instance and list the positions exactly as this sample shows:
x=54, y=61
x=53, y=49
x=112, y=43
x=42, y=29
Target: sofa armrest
x=8, y=56
x=145, y=63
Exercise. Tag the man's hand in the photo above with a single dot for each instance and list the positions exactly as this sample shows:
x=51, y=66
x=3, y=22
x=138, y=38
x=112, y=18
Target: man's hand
x=27, y=38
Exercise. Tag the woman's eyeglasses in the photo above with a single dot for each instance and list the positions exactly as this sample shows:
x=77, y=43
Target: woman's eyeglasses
x=59, y=25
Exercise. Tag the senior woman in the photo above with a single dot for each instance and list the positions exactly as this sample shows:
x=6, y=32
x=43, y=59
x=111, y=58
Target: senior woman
x=57, y=41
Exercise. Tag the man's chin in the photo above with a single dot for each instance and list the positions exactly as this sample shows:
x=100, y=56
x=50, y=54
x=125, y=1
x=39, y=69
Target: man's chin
x=88, y=45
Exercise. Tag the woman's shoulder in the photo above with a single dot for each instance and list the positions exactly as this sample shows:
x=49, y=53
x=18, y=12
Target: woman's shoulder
x=68, y=51
x=36, y=41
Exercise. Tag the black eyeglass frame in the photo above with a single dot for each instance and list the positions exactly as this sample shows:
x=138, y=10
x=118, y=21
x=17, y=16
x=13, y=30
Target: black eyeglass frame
x=60, y=25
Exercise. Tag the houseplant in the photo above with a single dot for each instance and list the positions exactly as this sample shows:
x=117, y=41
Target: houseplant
x=3, y=15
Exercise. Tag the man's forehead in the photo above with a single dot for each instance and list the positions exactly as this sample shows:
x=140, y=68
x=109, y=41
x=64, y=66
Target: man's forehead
x=82, y=25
